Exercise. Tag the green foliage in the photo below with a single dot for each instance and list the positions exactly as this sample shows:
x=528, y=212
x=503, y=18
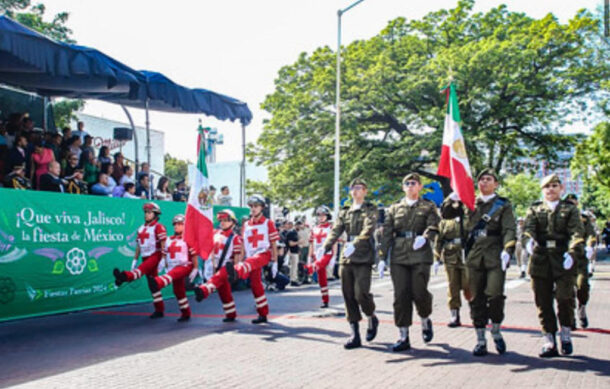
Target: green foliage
x=522, y=190
x=63, y=111
x=175, y=169
x=33, y=16
x=517, y=78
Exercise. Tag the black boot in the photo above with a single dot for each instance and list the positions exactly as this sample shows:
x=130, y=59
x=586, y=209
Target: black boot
x=183, y=319
x=479, y=350
x=152, y=284
x=401, y=345
x=228, y=320
x=354, y=341
x=259, y=320
x=455, y=319
x=324, y=305
x=199, y=295
x=582, y=317
x=231, y=274
x=371, y=332
x=549, y=350
x=119, y=277
x=156, y=315
x=427, y=332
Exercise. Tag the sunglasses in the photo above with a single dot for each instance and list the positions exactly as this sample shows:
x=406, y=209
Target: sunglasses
x=358, y=187
x=411, y=183
x=554, y=185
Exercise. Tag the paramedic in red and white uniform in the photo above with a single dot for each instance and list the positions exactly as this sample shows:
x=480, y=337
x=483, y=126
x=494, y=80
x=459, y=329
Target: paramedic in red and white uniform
x=151, y=242
x=318, y=259
x=181, y=263
x=233, y=254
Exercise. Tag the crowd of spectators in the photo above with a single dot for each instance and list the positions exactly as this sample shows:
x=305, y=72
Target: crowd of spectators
x=31, y=158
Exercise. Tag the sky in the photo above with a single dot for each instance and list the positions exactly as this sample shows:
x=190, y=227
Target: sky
x=236, y=47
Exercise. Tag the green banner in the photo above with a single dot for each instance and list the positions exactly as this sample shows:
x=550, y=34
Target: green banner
x=57, y=251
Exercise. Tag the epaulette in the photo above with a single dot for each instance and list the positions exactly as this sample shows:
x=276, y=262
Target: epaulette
x=537, y=202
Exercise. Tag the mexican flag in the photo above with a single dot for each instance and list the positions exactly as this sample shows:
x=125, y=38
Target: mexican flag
x=198, y=227
x=454, y=161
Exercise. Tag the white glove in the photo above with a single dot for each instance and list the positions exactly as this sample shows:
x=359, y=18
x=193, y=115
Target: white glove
x=193, y=275
x=320, y=253
x=505, y=257
x=381, y=268
x=133, y=264
x=436, y=266
x=419, y=242
x=349, y=250
x=567, y=261
x=589, y=252
x=529, y=247
x=273, y=269
x=160, y=267
x=454, y=196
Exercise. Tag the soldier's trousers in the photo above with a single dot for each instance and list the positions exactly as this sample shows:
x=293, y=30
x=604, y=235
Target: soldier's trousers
x=487, y=288
x=356, y=288
x=458, y=281
x=410, y=286
x=582, y=287
x=562, y=289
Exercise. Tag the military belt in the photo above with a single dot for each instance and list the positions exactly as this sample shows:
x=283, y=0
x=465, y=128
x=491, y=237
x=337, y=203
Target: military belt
x=351, y=237
x=406, y=234
x=554, y=244
x=452, y=241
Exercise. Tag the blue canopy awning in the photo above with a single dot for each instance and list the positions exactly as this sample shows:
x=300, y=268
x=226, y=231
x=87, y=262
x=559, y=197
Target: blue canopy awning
x=34, y=62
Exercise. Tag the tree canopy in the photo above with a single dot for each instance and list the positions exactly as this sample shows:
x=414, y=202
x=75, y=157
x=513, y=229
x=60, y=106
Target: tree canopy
x=518, y=80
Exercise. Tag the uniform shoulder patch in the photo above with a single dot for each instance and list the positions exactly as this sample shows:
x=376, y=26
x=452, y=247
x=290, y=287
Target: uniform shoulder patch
x=537, y=202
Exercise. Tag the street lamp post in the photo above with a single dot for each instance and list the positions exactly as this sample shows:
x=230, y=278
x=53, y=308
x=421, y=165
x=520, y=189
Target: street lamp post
x=338, y=106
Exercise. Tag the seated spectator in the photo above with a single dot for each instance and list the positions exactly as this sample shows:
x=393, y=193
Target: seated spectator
x=18, y=155
x=108, y=169
x=55, y=146
x=41, y=157
x=143, y=187
x=104, y=155
x=74, y=146
x=76, y=185
x=117, y=167
x=127, y=175
x=225, y=197
x=163, y=192
x=71, y=165
x=101, y=188
x=91, y=170
x=144, y=169
x=17, y=179
x=180, y=193
x=87, y=146
x=50, y=181
x=130, y=191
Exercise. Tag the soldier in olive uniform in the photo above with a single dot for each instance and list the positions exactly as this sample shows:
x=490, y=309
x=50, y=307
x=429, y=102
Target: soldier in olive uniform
x=358, y=221
x=448, y=248
x=491, y=242
x=582, y=279
x=410, y=225
x=553, y=236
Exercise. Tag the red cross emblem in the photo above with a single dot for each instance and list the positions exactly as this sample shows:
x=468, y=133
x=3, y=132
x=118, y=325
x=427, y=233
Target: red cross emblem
x=255, y=237
x=143, y=236
x=173, y=249
x=219, y=244
x=319, y=237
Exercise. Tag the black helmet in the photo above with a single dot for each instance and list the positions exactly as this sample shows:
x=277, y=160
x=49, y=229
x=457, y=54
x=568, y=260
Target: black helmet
x=256, y=199
x=323, y=209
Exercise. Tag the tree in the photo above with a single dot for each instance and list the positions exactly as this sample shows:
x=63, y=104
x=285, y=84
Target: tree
x=175, y=169
x=33, y=17
x=517, y=78
x=522, y=190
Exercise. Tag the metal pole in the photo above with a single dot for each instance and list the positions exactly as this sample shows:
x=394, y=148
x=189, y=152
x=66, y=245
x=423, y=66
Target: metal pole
x=337, y=117
x=45, y=102
x=242, y=175
x=336, y=199
x=147, y=135
x=135, y=138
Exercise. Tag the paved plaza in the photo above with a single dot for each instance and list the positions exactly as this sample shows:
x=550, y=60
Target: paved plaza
x=300, y=347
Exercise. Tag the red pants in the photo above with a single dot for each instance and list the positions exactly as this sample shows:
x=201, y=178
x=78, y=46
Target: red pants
x=148, y=267
x=251, y=268
x=320, y=267
x=220, y=282
x=177, y=277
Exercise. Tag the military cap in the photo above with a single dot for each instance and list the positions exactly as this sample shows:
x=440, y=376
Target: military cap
x=358, y=181
x=549, y=180
x=487, y=172
x=571, y=196
x=411, y=176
